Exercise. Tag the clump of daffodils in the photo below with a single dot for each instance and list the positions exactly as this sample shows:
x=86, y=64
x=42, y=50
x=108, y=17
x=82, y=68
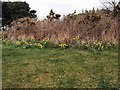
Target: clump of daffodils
x=64, y=46
x=100, y=45
x=6, y=42
x=95, y=45
x=40, y=45
x=29, y=44
x=45, y=42
x=76, y=38
x=32, y=43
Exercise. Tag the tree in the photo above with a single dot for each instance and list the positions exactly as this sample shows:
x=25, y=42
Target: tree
x=109, y=5
x=116, y=9
x=112, y=6
x=0, y=14
x=32, y=13
x=0, y=9
x=53, y=16
x=14, y=10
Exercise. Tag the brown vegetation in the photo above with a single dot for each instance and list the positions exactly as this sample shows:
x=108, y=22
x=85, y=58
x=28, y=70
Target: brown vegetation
x=89, y=26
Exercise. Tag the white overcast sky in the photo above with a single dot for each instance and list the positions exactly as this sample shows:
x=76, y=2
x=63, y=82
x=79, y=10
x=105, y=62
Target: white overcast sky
x=62, y=7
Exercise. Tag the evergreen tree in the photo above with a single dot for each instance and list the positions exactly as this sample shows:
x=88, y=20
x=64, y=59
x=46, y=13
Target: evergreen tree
x=53, y=16
x=14, y=10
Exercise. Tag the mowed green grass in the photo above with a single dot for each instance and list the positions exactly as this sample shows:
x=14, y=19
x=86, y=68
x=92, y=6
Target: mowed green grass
x=69, y=68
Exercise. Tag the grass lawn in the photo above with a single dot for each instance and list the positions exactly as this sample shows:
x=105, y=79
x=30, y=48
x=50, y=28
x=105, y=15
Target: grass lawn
x=69, y=68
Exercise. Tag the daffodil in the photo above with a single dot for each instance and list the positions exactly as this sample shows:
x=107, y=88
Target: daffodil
x=26, y=43
x=77, y=37
x=40, y=45
x=30, y=44
x=18, y=42
x=102, y=46
x=73, y=38
x=35, y=44
x=94, y=43
x=108, y=43
x=99, y=43
x=86, y=45
x=3, y=40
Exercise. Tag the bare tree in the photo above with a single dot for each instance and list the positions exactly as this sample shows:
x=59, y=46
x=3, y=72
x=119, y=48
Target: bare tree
x=110, y=4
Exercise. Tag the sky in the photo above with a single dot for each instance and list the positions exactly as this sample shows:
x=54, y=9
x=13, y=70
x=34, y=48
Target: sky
x=62, y=7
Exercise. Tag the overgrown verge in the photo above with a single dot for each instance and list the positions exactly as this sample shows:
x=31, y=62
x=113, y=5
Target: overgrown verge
x=85, y=27
x=73, y=29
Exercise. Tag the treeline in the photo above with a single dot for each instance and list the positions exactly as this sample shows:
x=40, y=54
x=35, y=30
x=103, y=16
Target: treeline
x=14, y=10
